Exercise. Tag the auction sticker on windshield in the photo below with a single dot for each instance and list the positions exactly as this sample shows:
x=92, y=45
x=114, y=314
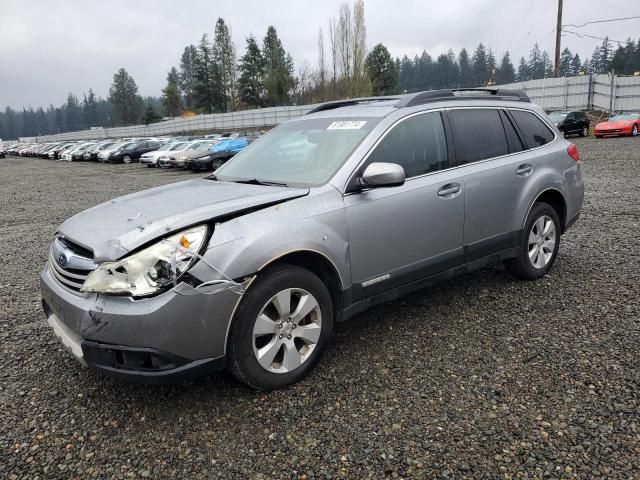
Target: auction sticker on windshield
x=347, y=125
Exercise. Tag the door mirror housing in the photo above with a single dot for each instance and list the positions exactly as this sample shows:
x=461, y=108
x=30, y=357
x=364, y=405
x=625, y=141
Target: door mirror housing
x=382, y=174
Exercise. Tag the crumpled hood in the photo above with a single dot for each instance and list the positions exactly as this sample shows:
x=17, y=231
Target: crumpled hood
x=114, y=228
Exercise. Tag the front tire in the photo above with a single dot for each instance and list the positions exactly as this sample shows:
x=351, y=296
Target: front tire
x=280, y=329
x=539, y=244
x=634, y=131
x=584, y=132
x=126, y=159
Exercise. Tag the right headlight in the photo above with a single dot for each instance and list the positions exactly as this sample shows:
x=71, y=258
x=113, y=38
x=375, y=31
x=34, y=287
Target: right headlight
x=150, y=270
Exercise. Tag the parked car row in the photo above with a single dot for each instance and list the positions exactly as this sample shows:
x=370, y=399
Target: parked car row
x=578, y=123
x=195, y=153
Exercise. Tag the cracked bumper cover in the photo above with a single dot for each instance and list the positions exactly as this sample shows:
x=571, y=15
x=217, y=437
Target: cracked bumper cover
x=161, y=339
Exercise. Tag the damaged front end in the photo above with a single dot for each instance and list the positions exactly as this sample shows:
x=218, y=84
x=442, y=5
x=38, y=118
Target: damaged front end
x=155, y=268
x=143, y=317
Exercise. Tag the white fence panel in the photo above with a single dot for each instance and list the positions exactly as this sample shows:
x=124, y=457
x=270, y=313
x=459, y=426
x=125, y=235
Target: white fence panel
x=583, y=92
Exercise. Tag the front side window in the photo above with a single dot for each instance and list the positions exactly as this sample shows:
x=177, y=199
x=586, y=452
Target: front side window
x=534, y=130
x=478, y=134
x=417, y=144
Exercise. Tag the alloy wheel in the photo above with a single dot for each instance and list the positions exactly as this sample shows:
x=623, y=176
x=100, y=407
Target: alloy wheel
x=542, y=242
x=126, y=159
x=287, y=330
x=634, y=132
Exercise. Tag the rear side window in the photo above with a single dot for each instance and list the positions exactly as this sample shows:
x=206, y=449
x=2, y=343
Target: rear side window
x=535, y=131
x=418, y=144
x=478, y=134
x=513, y=141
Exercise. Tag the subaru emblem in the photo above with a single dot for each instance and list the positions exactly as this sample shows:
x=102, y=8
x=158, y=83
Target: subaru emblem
x=62, y=260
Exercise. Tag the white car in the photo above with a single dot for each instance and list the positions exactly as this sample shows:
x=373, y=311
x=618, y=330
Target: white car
x=150, y=159
x=104, y=154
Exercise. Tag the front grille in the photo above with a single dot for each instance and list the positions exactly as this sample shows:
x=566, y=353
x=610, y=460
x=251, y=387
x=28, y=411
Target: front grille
x=68, y=266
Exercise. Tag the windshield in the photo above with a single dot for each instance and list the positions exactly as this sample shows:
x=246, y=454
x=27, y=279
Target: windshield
x=624, y=116
x=106, y=145
x=200, y=145
x=306, y=152
x=177, y=146
x=556, y=117
x=127, y=145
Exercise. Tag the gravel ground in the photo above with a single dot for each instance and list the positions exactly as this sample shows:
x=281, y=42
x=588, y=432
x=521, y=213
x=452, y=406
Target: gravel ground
x=481, y=377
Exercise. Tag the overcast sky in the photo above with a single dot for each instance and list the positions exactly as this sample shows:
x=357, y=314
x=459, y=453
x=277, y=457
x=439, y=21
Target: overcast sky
x=51, y=47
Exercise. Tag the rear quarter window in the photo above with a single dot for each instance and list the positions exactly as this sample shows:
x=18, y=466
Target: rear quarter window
x=535, y=132
x=478, y=134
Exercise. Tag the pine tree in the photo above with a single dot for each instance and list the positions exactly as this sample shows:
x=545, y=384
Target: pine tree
x=595, y=66
x=204, y=86
x=576, y=65
x=278, y=79
x=547, y=65
x=466, y=71
x=566, y=63
x=123, y=95
x=406, y=73
x=90, y=110
x=187, y=75
x=425, y=68
x=41, y=124
x=151, y=116
x=382, y=71
x=171, y=94
x=536, y=63
x=480, y=68
x=606, y=54
x=73, y=113
x=505, y=73
x=523, y=71
x=223, y=55
x=251, y=82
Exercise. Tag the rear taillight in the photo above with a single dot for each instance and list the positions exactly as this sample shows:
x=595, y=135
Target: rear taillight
x=572, y=150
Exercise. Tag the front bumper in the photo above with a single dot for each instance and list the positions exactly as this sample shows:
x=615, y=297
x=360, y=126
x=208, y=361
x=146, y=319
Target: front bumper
x=613, y=131
x=163, y=339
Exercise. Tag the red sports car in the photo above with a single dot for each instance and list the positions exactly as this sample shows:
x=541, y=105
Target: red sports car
x=623, y=124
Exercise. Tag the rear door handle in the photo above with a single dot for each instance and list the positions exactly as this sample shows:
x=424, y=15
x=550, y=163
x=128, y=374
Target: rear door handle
x=524, y=170
x=449, y=190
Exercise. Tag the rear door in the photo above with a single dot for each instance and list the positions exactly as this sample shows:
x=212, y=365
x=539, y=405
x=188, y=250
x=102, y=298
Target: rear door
x=492, y=161
x=398, y=235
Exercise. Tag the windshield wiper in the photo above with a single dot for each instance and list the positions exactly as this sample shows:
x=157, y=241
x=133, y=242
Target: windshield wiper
x=255, y=181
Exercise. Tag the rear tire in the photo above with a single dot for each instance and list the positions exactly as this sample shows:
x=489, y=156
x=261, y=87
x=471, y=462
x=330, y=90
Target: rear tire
x=539, y=244
x=263, y=327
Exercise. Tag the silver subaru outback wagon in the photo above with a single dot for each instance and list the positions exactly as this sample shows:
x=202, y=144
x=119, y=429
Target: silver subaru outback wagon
x=356, y=203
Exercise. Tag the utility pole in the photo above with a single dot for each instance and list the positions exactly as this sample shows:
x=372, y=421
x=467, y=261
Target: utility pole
x=558, y=32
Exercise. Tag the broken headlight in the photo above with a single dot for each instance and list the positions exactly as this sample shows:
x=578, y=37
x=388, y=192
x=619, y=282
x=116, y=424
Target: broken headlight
x=150, y=270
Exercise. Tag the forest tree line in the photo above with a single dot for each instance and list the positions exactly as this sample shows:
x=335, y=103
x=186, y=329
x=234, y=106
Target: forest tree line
x=212, y=77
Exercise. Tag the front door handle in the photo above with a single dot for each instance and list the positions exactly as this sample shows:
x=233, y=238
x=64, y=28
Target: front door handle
x=449, y=190
x=524, y=170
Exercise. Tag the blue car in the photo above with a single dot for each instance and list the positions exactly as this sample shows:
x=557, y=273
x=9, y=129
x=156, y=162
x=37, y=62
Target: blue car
x=218, y=154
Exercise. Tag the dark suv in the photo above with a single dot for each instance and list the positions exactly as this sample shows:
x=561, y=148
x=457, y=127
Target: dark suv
x=133, y=151
x=570, y=123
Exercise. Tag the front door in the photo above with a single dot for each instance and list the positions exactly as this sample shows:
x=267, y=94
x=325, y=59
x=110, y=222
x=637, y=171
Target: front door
x=398, y=235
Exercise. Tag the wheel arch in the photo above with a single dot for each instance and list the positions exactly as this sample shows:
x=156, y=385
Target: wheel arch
x=556, y=199
x=320, y=265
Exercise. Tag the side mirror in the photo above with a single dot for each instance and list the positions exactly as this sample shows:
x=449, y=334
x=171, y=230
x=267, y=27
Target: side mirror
x=381, y=174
